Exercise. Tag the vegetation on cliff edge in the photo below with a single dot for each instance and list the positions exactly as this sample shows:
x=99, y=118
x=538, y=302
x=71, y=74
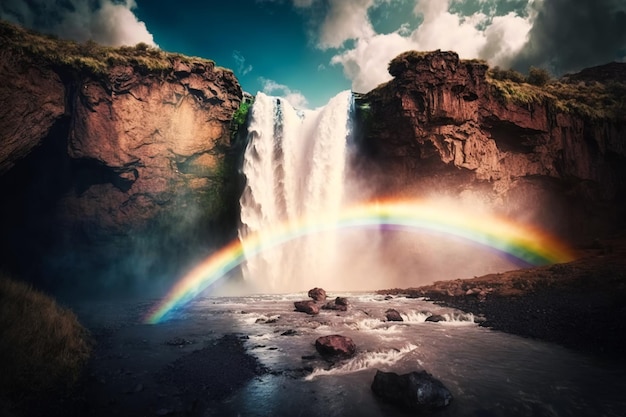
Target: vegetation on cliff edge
x=89, y=56
x=595, y=99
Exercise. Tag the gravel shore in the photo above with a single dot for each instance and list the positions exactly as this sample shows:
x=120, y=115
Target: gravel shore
x=580, y=305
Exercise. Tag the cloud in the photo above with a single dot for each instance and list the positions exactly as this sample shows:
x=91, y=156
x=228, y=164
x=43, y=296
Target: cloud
x=107, y=22
x=559, y=35
x=294, y=97
x=345, y=20
x=495, y=38
x=366, y=63
x=569, y=35
x=240, y=61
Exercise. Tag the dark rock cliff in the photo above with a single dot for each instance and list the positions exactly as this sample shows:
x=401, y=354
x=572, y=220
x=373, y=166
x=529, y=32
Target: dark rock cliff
x=553, y=155
x=112, y=161
x=116, y=165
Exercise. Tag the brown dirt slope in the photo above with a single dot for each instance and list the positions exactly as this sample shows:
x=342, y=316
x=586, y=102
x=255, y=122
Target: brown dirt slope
x=579, y=304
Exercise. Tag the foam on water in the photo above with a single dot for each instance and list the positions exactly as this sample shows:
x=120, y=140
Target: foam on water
x=365, y=360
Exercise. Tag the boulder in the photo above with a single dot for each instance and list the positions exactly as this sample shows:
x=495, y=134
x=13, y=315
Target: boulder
x=318, y=294
x=340, y=304
x=417, y=391
x=335, y=345
x=307, y=306
x=393, y=315
x=341, y=301
x=435, y=318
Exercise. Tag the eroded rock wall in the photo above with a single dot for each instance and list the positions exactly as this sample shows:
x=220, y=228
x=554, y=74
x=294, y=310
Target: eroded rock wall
x=110, y=176
x=439, y=129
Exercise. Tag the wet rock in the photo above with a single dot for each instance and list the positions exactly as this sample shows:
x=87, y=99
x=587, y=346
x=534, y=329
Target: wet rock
x=318, y=294
x=289, y=332
x=307, y=306
x=435, y=318
x=340, y=304
x=267, y=320
x=418, y=391
x=393, y=315
x=341, y=301
x=335, y=345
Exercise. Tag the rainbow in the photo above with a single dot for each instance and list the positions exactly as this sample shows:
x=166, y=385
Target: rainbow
x=523, y=242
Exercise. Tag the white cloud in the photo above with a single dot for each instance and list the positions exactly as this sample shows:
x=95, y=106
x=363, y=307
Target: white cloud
x=345, y=20
x=104, y=21
x=240, y=62
x=366, y=63
x=497, y=39
x=294, y=97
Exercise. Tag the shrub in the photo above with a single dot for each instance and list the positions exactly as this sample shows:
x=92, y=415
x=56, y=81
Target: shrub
x=142, y=46
x=538, y=76
x=241, y=114
x=43, y=347
x=510, y=74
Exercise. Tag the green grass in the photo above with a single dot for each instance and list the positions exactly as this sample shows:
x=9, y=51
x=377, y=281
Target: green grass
x=590, y=99
x=43, y=347
x=241, y=114
x=88, y=56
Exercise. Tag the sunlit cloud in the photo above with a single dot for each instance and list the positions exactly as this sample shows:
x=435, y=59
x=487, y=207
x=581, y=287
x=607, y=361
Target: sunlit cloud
x=345, y=20
x=294, y=97
x=497, y=39
x=559, y=35
x=107, y=22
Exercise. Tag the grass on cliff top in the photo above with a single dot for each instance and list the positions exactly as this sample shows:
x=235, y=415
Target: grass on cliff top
x=89, y=56
x=600, y=99
x=592, y=99
x=43, y=347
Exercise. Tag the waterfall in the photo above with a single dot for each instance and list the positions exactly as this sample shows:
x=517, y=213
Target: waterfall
x=294, y=166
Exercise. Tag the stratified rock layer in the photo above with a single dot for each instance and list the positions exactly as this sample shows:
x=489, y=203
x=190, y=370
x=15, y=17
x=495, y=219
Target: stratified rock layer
x=107, y=162
x=441, y=128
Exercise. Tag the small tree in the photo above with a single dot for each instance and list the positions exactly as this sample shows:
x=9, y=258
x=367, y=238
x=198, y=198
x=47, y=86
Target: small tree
x=142, y=46
x=538, y=76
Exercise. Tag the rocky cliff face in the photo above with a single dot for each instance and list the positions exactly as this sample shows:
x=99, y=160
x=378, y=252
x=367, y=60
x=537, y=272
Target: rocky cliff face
x=112, y=162
x=444, y=128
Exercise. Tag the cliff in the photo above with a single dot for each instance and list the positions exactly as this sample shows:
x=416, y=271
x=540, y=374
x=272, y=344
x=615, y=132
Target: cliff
x=110, y=158
x=553, y=155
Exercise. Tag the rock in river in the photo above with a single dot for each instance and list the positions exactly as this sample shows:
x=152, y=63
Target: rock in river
x=307, y=306
x=393, y=315
x=318, y=294
x=335, y=345
x=418, y=391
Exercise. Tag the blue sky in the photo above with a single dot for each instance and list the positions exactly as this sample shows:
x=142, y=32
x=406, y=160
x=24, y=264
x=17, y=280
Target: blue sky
x=309, y=50
x=265, y=43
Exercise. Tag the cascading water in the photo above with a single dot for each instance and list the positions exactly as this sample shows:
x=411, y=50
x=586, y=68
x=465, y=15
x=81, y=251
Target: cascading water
x=294, y=165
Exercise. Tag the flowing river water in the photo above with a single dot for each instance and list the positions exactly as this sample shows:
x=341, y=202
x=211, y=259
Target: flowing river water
x=489, y=373
x=296, y=166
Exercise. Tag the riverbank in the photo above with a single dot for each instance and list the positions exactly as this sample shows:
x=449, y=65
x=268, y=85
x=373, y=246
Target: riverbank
x=579, y=305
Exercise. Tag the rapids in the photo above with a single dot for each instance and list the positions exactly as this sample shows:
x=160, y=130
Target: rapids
x=489, y=373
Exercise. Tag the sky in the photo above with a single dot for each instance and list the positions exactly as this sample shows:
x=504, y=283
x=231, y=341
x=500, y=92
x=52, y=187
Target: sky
x=309, y=50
